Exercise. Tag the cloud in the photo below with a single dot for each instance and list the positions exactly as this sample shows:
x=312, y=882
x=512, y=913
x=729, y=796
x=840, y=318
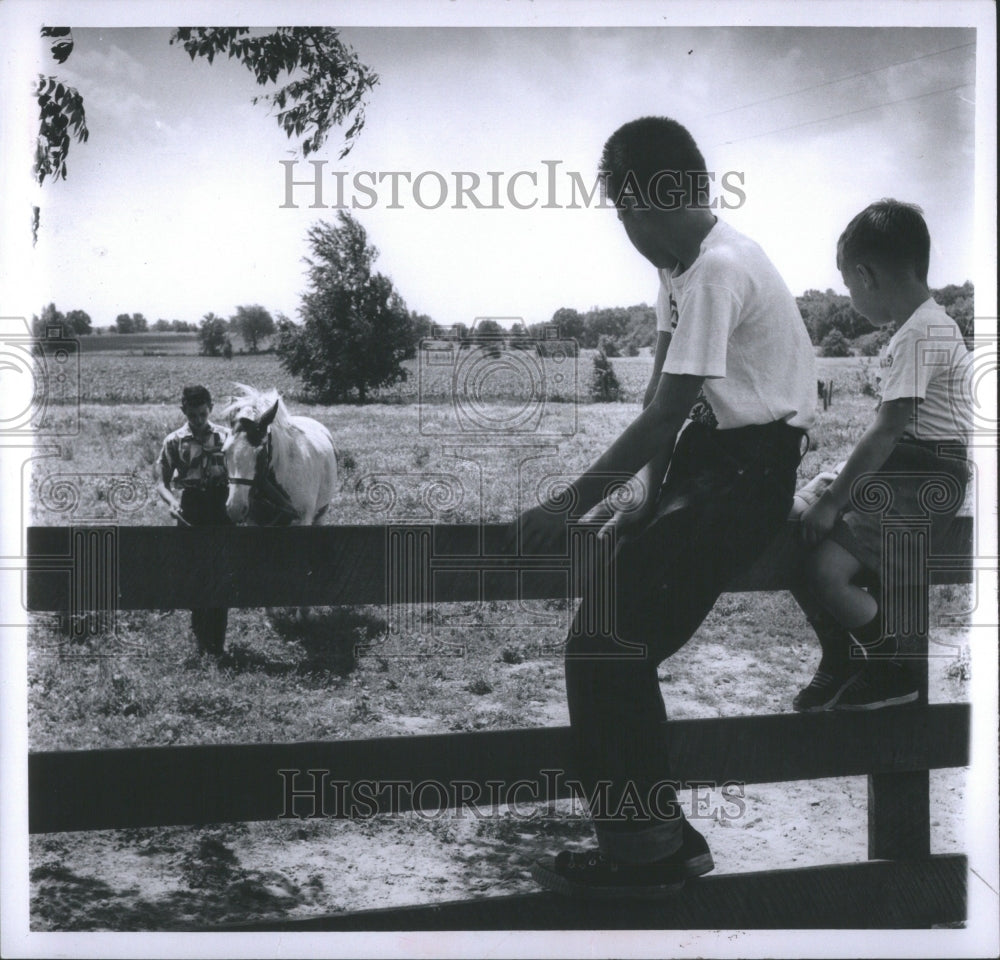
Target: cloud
x=109, y=80
x=110, y=67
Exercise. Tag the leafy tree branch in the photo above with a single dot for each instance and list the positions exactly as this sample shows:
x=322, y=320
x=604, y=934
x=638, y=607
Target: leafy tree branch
x=328, y=87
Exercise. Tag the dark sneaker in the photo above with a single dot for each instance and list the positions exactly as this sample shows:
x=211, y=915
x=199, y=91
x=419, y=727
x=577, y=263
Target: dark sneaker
x=591, y=874
x=826, y=687
x=880, y=683
x=696, y=858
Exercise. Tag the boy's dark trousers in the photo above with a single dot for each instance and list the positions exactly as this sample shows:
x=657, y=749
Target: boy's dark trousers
x=205, y=508
x=726, y=495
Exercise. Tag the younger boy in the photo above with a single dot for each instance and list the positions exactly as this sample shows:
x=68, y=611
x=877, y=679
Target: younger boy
x=192, y=457
x=737, y=332
x=919, y=434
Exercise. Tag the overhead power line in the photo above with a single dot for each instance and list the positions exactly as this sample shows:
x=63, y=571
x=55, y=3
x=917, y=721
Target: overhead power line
x=849, y=113
x=851, y=76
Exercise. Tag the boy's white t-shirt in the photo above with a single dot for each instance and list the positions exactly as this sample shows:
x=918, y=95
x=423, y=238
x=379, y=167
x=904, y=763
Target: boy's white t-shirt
x=927, y=359
x=735, y=322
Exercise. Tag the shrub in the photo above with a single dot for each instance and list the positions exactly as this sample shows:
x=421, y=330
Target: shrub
x=835, y=344
x=867, y=379
x=608, y=346
x=604, y=385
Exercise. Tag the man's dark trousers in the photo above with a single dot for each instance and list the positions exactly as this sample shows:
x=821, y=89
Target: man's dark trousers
x=726, y=495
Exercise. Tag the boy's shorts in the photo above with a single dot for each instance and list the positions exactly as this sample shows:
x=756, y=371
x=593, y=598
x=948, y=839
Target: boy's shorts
x=915, y=482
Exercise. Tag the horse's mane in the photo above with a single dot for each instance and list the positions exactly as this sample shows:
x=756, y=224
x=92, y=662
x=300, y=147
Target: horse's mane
x=253, y=404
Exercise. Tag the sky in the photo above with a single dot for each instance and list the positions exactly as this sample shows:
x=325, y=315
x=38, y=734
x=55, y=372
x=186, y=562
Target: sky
x=175, y=206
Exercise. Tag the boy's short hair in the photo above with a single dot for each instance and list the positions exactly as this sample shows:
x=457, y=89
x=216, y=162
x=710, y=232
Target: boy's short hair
x=195, y=396
x=642, y=149
x=890, y=233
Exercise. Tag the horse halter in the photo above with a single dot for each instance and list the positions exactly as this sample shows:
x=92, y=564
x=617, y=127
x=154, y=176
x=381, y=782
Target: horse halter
x=263, y=487
x=263, y=457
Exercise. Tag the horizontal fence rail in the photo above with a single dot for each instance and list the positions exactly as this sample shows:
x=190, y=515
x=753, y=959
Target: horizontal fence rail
x=160, y=786
x=104, y=568
x=150, y=568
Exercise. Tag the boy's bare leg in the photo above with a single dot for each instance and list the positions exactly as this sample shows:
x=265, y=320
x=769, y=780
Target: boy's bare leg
x=830, y=570
x=883, y=681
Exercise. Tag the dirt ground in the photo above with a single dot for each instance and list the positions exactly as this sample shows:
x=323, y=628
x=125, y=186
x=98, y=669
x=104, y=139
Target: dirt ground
x=183, y=878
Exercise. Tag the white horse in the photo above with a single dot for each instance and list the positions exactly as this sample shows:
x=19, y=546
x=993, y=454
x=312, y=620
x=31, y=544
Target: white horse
x=282, y=469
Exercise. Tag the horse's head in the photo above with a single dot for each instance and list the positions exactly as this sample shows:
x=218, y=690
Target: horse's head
x=246, y=453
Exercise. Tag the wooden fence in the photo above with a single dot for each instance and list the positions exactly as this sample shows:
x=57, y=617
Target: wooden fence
x=404, y=566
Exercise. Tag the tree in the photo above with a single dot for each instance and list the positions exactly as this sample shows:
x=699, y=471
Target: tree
x=518, y=338
x=253, y=324
x=79, y=322
x=490, y=337
x=330, y=87
x=131, y=323
x=423, y=328
x=569, y=323
x=60, y=113
x=605, y=321
x=604, y=385
x=356, y=330
x=835, y=344
x=640, y=330
x=488, y=329
x=824, y=312
x=50, y=317
x=212, y=335
x=960, y=304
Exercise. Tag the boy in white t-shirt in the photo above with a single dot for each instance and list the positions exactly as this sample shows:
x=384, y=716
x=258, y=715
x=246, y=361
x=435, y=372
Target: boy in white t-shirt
x=913, y=457
x=717, y=497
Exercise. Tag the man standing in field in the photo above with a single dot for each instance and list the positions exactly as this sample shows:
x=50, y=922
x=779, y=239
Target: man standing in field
x=192, y=458
x=717, y=496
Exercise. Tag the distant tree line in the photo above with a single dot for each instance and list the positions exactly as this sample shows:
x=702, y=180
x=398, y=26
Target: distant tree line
x=833, y=325
x=253, y=323
x=78, y=323
x=840, y=331
x=832, y=322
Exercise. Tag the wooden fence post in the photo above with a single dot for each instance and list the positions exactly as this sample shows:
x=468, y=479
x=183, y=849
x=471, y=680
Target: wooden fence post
x=899, y=814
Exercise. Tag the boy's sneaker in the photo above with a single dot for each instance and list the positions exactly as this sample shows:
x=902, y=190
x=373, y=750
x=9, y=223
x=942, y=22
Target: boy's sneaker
x=695, y=856
x=881, y=683
x=591, y=874
x=827, y=686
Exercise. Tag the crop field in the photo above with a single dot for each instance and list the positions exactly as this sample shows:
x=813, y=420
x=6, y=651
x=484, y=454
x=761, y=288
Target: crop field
x=152, y=343
x=337, y=673
x=135, y=376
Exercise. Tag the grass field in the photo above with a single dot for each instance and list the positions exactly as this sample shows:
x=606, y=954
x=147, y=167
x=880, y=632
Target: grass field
x=337, y=674
x=410, y=442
